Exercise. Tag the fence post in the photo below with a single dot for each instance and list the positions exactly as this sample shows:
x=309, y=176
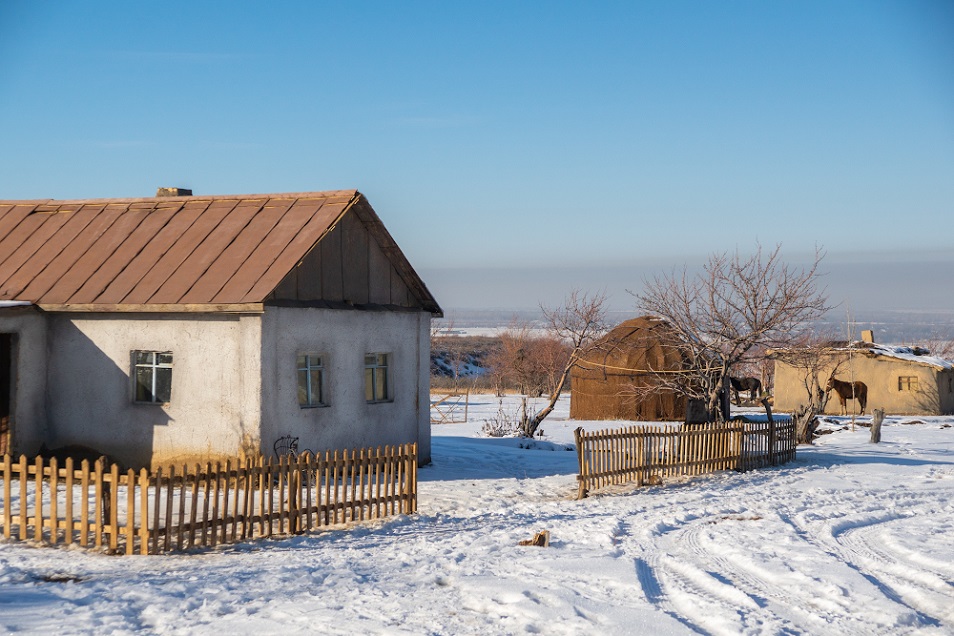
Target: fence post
x=38, y=500
x=7, y=494
x=876, y=421
x=143, y=511
x=114, y=508
x=580, y=458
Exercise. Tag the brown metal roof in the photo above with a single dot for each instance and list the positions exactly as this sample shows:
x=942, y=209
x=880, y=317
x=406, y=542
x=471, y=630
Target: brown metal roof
x=195, y=250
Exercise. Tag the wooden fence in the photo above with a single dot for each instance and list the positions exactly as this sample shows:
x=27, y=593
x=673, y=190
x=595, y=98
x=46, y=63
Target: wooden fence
x=648, y=453
x=181, y=508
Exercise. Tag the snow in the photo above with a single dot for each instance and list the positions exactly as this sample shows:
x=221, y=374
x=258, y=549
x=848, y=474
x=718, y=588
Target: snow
x=851, y=538
x=910, y=354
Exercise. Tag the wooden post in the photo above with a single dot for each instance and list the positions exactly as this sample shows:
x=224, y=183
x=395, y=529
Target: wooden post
x=143, y=511
x=581, y=477
x=154, y=530
x=114, y=508
x=876, y=420
x=7, y=494
x=24, y=477
x=38, y=500
x=130, y=512
x=69, y=501
x=54, y=513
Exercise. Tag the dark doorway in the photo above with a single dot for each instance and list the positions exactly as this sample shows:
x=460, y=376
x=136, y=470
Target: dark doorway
x=6, y=388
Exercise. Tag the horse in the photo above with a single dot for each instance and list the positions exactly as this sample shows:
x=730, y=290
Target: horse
x=848, y=391
x=752, y=385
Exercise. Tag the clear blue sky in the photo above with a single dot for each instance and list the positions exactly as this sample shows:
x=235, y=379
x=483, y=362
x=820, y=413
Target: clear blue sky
x=506, y=139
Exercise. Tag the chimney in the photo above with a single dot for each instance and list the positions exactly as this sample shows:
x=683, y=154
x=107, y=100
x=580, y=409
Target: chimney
x=173, y=192
x=867, y=335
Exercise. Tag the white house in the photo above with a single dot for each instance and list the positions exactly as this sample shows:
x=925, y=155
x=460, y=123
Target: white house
x=179, y=328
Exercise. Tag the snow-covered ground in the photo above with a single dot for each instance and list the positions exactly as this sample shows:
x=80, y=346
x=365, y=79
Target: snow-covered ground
x=852, y=538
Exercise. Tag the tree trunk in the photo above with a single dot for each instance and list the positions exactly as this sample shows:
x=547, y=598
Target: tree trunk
x=806, y=421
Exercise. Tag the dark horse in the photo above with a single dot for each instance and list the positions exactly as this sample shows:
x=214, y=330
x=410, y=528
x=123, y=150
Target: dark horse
x=848, y=391
x=752, y=385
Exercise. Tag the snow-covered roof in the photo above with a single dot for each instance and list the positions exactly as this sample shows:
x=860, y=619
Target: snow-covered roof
x=917, y=355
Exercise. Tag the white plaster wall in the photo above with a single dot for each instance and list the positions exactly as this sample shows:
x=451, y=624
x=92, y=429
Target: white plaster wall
x=28, y=408
x=216, y=375
x=343, y=337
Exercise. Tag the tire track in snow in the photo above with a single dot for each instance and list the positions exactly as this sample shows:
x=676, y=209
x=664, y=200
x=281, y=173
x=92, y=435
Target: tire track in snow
x=908, y=616
x=924, y=590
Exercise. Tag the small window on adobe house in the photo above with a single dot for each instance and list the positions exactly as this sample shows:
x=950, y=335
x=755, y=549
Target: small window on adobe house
x=377, y=383
x=908, y=383
x=311, y=380
x=153, y=376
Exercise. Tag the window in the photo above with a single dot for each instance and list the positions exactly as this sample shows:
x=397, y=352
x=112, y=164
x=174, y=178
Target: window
x=311, y=381
x=908, y=383
x=376, y=381
x=153, y=373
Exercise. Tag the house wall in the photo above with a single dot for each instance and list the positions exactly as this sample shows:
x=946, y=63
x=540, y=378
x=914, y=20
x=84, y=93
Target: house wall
x=343, y=337
x=216, y=384
x=881, y=375
x=29, y=355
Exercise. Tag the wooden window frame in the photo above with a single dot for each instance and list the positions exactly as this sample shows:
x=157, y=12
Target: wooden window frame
x=309, y=364
x=377, y=378
x=908, y=384
x=152, y=369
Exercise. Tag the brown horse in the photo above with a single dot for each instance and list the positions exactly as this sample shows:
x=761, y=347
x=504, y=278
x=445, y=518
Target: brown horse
x=752, y=385
x=848, y=391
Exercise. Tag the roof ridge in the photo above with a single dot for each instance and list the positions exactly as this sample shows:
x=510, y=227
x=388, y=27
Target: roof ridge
x=324, y=194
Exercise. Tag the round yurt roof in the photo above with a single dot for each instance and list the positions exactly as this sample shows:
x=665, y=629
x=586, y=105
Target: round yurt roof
x=636, y=346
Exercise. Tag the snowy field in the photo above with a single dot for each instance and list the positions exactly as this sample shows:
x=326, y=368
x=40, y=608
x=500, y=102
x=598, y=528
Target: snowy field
x=852, y=538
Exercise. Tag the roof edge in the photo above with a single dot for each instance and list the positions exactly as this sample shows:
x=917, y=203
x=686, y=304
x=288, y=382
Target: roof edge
x=224, y=308
x=196, y=197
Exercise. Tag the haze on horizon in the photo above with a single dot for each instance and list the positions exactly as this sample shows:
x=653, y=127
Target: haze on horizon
x=518, y=150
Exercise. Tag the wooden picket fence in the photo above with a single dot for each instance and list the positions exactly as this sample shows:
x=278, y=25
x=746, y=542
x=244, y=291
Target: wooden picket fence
x=649, y=453
x=176, y=509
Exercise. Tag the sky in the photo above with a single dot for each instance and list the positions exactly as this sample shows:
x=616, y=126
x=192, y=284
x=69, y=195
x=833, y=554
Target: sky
x=518, y=150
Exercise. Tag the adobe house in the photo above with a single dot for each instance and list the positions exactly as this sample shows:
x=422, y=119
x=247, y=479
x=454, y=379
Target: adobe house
x=601, y=386
x=185, y=328
x=900, y=380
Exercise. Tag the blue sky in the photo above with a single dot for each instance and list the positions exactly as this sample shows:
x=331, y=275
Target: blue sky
x=515, y=149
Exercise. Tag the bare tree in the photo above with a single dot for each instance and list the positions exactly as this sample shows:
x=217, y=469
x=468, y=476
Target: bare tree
x=941, y=345
x=578, y=322
x=531, y=362
x=814, y=360
x=737, y=306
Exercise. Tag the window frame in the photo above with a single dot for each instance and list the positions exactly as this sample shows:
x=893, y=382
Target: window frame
x=153, y=367
x=308, y=368
x=908, y=384
x=374, y=372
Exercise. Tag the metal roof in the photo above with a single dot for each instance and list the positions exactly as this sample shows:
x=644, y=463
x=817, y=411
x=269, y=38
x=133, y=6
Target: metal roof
x=164, y=251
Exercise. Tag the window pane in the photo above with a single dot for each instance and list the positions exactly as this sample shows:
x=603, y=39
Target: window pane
x=381, y=385
x=382, y=359
x=303, y=387
x=144, y=384
x=144, y=357
x=369, y=360
x=165, y=358
x=163, y=384
x=316, y=397
x=369, y=385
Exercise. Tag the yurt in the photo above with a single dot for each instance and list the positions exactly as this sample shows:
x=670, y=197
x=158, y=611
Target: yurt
x=602, y=385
